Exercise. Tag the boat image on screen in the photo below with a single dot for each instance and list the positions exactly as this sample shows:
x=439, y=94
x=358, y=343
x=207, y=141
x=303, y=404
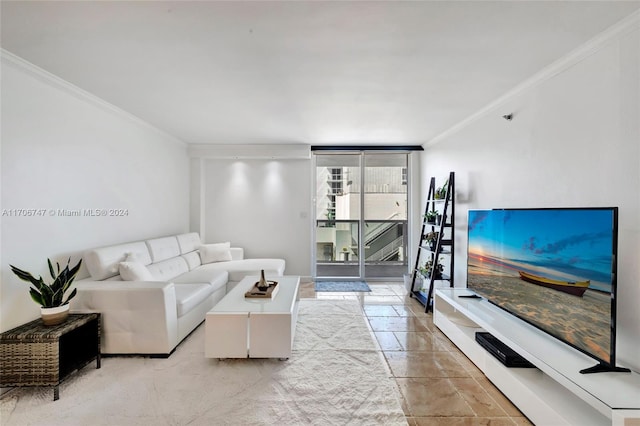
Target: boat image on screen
x=577, y=288
x=553, y=268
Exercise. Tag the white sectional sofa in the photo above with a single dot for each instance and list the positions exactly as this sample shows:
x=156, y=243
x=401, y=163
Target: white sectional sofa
x=168, y=292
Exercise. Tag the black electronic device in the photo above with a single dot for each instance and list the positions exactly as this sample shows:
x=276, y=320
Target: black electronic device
x=501, y=352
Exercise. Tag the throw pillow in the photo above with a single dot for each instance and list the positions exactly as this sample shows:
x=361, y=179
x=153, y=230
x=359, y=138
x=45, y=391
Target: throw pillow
x=134, y=271
x=220, y=252
x=132, y=257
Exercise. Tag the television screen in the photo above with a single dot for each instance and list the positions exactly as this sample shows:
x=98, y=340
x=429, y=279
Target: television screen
x=554, y=268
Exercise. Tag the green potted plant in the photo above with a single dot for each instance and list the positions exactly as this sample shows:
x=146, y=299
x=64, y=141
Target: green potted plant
x=441, y=193
x=431, y=238
x=54, y=308
x=426, y=270
x=431, y=216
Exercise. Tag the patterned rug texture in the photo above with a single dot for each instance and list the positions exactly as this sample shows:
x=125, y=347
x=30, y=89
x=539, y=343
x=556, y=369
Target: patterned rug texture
x=337, y=286
x=334, y=377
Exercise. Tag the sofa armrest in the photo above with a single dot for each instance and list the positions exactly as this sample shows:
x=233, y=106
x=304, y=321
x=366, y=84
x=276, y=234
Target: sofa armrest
x=138, y=317
x=237, y=253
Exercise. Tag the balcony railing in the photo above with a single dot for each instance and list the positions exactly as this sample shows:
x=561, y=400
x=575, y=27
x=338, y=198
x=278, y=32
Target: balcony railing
x=385, y=241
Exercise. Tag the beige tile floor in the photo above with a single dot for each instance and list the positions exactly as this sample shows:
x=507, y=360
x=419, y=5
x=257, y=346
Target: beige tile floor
x=438, y=384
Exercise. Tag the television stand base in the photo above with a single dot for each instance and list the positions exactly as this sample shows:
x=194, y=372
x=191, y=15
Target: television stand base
x=604, y=368
x=554, y=393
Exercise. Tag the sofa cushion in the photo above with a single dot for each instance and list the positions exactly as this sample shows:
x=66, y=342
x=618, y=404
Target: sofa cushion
x=168, y=269
x=192, y=259
x=188, y=242
x=238, y=269
x=104, y=262
x=134, y=271
x=220, y=252
x=190, y=295
x=215, y=278
x=136, y=257
x=237, y=253
x=163, y=248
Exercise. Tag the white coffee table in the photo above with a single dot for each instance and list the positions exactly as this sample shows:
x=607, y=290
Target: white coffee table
x=239, y=327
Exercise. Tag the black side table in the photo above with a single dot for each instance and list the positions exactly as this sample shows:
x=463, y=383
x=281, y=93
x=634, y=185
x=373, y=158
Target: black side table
x=35, y=355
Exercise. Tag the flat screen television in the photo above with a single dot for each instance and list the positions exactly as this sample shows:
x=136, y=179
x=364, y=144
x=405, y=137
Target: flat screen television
x=554, y=268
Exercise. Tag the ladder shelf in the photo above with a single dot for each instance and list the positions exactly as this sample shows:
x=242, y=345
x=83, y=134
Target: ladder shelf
x=436, y=242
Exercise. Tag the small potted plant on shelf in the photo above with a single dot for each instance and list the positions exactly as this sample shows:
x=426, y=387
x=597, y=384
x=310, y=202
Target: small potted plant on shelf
x=54, y=307
x=441, y=193
x=424, y=272
x=431, y=216
x=427, y=268
x=431, y=238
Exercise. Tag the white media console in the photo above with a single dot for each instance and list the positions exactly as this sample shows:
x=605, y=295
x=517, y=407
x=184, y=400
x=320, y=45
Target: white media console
x=554, y=393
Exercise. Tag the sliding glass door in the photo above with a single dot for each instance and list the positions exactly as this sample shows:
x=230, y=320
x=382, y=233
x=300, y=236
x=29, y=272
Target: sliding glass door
x=361, y=215
x=337, y=210
x=385, y=215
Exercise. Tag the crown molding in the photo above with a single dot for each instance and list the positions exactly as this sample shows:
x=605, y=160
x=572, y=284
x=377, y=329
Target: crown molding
x=53, y=80
x=248, y=151
x=574, y=57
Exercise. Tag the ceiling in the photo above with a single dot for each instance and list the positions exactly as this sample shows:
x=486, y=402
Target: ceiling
x=312, y=72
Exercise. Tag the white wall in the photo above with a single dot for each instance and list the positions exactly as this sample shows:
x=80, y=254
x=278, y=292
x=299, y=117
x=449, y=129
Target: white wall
x=262, y=205
x=62, y=149
x=574, y=141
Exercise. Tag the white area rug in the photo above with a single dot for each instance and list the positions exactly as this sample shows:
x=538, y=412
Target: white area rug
x=335, y=377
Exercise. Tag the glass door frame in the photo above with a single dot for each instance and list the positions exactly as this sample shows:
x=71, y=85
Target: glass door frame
x=314, y=231
x=362, y=155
